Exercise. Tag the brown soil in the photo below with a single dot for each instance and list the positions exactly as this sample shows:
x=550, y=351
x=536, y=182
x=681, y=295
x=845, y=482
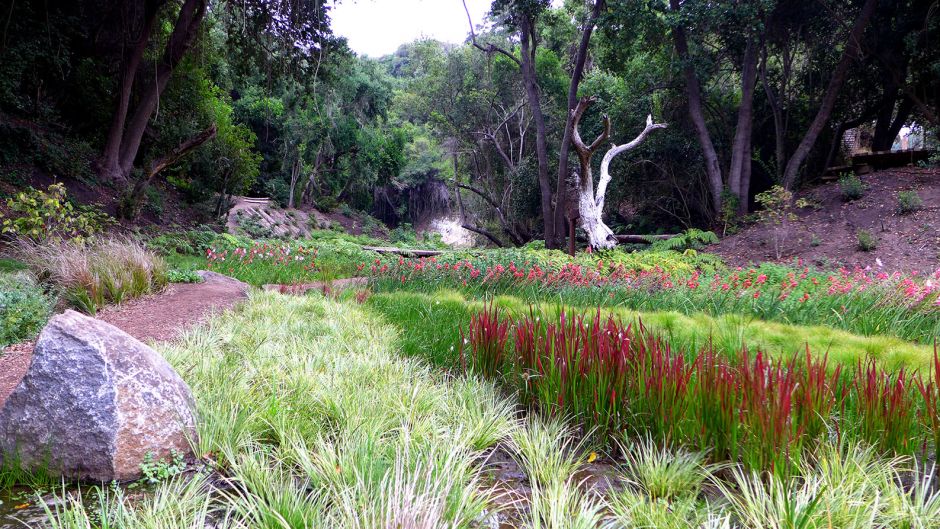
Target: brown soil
x=826, y=233
x=156, y=318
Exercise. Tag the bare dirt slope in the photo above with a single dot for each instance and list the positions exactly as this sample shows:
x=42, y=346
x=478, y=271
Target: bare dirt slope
x=826, y=233
x=160, y=317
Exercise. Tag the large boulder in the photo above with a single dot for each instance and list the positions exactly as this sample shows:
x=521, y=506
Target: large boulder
x=93, y=403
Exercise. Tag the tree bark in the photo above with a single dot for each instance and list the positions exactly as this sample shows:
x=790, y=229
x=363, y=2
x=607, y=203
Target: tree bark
x=741, y=145
x=889, y=123
x=222, y=192
x=294, y=178
x=184, y=32
x=484, y=233
x=109, y=167
x=529, y=79
x=697, y=115
x=591, y=204
x=839, y=74
x=561, y=184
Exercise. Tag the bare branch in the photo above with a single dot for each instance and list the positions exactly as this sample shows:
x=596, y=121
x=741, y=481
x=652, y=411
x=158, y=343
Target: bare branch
x=484, y=233
x=616, y=150
x=586, y=151
x=490, y=48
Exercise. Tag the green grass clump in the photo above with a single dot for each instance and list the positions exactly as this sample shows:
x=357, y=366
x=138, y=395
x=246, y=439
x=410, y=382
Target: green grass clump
x=851, y=187
x=94, y=272
x=908, y=202
x=866, y=241
x=306, y=403
x=24, y=308
x=176, y=275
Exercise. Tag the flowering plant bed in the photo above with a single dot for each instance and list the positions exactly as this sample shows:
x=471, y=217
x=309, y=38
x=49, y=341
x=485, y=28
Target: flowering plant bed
x=266, y=263
x=859, y=300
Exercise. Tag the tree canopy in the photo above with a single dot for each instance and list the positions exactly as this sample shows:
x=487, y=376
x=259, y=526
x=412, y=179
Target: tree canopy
x=215, y=98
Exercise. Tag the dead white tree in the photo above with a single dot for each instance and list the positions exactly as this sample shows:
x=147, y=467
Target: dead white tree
x=591, y=202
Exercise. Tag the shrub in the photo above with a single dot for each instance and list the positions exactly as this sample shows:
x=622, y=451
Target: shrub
x=24, y=308
x=691, y=239
x=851, y=187
x=183, y=276
x=866, y=241
x=96, y=272
x=39, y=215
x=777, y=211
x=190, y=242
x=908, y=202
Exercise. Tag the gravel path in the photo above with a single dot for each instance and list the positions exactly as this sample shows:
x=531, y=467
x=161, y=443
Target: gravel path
x=154, y=318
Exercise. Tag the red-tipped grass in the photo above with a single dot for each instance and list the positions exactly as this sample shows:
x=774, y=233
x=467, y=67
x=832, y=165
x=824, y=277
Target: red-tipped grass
x=930, y=414
x=486, y=335
x=885, y=407
x=660, y=387
x=768, y=391
x=610, y=378
x=716, y=398
x=819, y=391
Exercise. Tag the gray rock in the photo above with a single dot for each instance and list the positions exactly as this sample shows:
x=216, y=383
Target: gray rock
x=93, y=403
x=215, y=277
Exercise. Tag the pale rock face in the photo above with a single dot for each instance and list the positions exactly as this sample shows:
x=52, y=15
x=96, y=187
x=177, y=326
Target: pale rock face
x=94, y=402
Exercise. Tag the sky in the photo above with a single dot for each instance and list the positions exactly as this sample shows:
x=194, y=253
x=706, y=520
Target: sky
x=379, y=27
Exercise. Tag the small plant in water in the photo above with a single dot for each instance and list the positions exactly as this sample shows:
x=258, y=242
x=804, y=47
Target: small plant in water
x=156, y=470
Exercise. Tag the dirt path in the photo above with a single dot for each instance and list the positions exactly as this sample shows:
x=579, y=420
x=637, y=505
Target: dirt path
x=156, y=318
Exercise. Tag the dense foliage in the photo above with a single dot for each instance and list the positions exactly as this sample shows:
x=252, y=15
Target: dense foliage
x=24, y=308
x=437, y=129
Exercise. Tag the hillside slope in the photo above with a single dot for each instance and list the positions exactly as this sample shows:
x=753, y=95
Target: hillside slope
x=826, y=232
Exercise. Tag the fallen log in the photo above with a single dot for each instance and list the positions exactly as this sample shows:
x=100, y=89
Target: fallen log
x=405, y=252
x=643, y=239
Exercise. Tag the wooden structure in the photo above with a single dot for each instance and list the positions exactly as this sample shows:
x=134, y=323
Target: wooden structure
x=888, y=159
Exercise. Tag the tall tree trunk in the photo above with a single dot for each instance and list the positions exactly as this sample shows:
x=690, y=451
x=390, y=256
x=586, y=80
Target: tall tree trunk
x=697, y=115
x=294, y=177
x=529, y=79
x=109, y=167
x=851, y=52
x=184, y=32
x=778, y=102
x=306, y=197
x=222, y=192
x=561, y=185
x=741, y=145
x=745, y=195
x=889, y=123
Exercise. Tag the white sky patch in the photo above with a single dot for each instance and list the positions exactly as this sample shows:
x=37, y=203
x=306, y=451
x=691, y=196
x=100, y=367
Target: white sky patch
x=379, y=27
